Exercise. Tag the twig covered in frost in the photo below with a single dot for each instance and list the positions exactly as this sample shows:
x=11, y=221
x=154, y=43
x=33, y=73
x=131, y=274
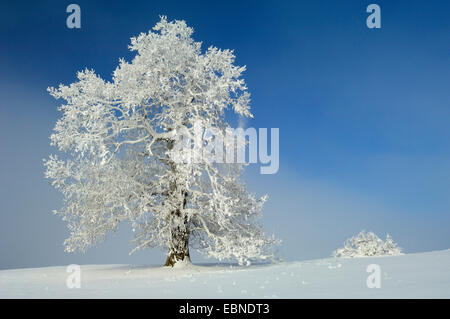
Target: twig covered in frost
x=118, y=136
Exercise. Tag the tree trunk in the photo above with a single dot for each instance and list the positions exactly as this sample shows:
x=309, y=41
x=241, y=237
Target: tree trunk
x=179, y=245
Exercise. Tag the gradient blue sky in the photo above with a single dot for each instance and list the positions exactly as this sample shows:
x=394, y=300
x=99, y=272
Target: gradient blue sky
x=363, y=115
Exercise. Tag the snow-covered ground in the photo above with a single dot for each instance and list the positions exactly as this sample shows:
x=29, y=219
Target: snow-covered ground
x=423, y=275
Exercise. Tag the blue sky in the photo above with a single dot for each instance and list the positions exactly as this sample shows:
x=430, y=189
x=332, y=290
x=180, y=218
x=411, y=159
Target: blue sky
x=363, y=115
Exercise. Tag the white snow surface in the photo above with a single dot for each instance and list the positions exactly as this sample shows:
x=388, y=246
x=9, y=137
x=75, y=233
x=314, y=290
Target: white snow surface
x=421, y=275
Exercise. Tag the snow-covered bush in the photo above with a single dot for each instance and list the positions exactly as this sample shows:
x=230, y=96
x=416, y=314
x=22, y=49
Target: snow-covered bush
x=368, y=244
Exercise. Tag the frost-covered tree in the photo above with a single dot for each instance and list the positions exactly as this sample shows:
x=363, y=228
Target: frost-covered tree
x=390, y=247
x=116, y=137
x=367, y=244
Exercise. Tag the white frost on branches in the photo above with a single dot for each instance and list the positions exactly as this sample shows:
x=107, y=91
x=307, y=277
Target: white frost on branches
x=367, y=244
x=117, y=136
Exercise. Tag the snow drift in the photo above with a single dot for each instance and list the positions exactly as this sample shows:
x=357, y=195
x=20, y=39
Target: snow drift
x=422, y=275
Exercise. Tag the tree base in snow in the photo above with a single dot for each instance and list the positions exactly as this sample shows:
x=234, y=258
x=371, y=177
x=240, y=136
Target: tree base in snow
x=175, y=259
